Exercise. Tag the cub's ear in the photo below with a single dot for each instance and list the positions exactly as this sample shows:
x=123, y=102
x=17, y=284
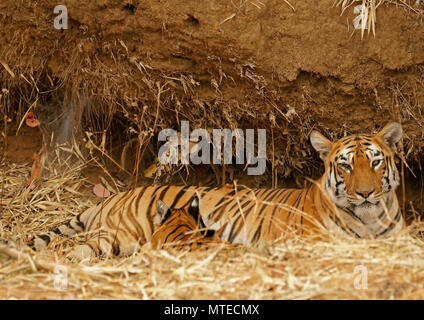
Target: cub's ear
x=321, y=144
x=194, y=212
x=194, y=207
x=391, y=134
x=162, y=212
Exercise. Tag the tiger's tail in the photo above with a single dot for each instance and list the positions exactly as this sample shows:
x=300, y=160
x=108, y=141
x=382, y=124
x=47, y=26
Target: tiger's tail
x=74, y=226
x=69, y=229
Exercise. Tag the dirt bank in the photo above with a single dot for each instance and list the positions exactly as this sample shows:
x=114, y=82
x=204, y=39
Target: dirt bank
x=140, y=66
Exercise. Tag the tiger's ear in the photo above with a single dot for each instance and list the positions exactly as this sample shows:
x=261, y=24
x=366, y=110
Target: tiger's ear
x=391, y=134
x=321, y=144
x=194, y=207
x=193, y=210
x=162, y=211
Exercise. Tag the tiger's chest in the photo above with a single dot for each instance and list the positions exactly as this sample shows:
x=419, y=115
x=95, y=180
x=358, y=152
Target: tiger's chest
x=383, y=223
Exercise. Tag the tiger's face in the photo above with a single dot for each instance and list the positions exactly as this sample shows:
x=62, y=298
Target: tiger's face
x=360, y=172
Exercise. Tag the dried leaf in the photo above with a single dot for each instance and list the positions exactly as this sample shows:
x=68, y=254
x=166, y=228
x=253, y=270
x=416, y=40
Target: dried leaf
x=100, y=191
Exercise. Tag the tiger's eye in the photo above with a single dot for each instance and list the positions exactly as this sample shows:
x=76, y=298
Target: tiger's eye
x=375, y=163
x=345, y=167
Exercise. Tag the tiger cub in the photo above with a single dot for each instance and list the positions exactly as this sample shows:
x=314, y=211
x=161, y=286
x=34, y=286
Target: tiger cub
x=182, y=227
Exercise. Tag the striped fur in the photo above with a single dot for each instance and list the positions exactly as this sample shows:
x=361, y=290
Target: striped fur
x=354, y=197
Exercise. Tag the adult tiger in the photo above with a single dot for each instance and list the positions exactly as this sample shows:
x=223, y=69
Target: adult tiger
x=354, y=197
x=182, y=227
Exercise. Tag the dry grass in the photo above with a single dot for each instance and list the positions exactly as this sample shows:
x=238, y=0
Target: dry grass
x=369, y=9
x=298, y=269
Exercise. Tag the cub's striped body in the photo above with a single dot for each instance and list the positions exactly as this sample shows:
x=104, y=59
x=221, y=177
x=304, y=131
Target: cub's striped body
x=354, y=197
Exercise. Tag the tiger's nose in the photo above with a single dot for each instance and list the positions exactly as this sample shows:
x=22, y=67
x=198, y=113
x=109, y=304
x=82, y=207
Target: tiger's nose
x=365, y=194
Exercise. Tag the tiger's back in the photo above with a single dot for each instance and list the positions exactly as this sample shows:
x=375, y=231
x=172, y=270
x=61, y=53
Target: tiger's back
x=126, y=221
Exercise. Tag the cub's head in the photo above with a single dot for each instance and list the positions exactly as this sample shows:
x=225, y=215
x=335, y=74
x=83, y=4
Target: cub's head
x=360, y=172
x=179, y=225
